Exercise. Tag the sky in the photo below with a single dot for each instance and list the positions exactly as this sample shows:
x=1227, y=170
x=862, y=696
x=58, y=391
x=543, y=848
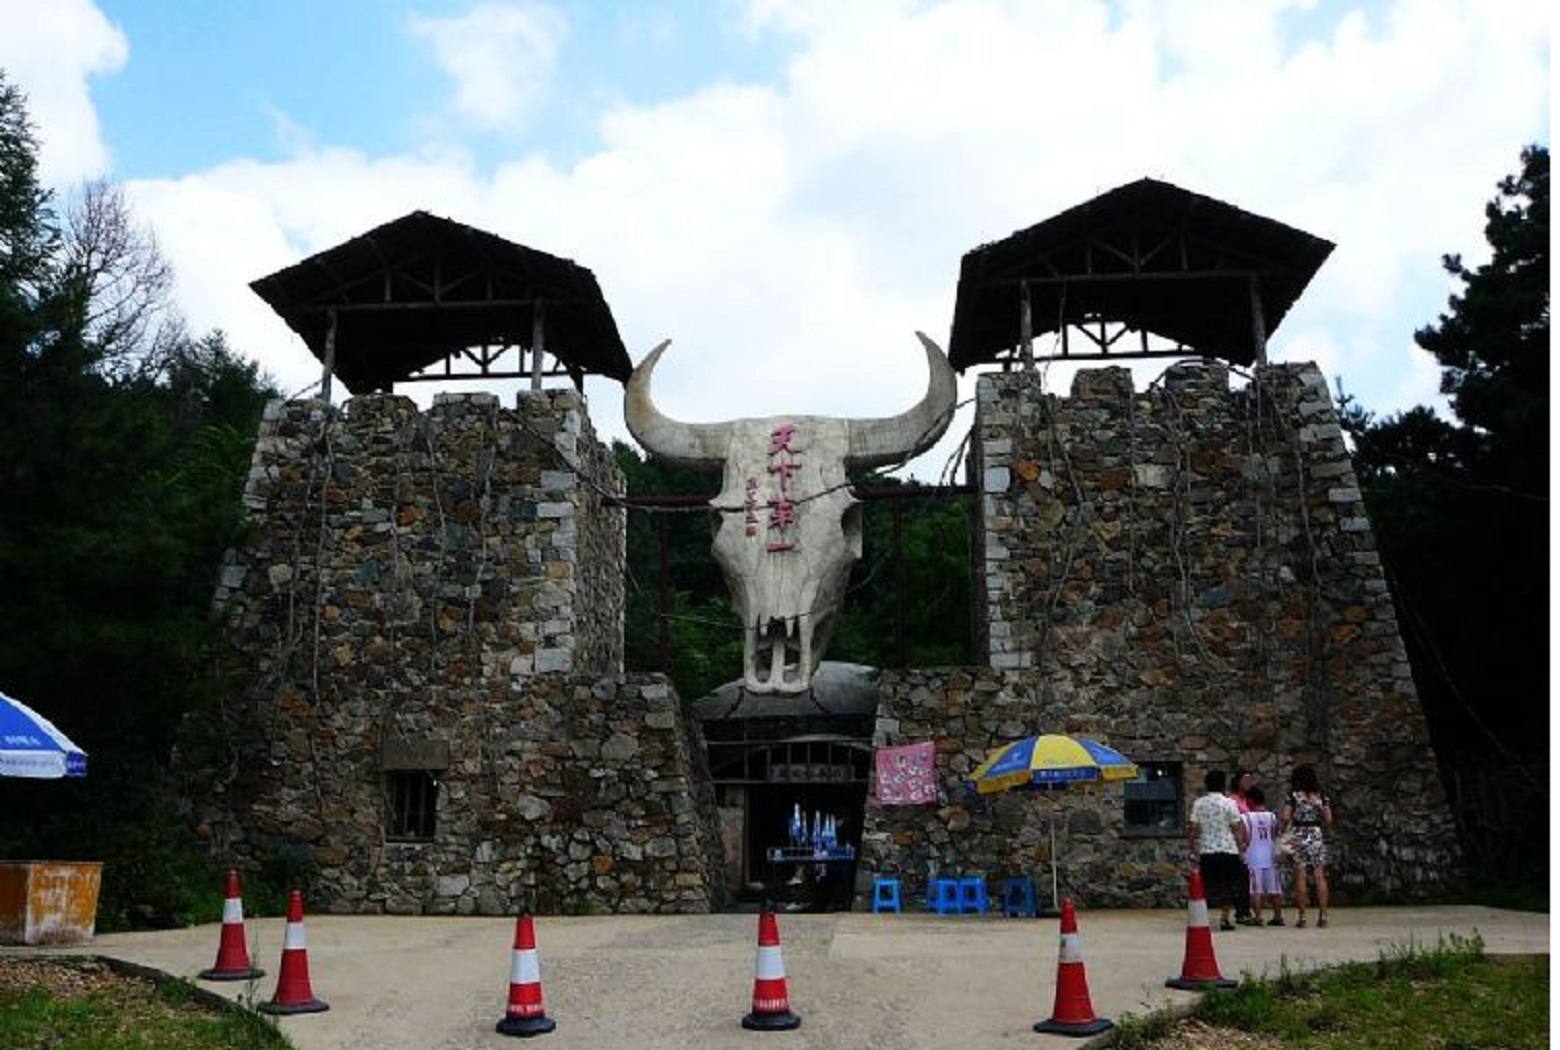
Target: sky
x=784, y=188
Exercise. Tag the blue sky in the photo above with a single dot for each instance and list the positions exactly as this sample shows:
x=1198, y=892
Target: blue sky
x=358, y=78
x=784, y=187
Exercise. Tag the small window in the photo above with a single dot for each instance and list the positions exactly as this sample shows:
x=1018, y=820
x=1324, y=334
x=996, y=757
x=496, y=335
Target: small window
x=1154, y=800
x=414, y=798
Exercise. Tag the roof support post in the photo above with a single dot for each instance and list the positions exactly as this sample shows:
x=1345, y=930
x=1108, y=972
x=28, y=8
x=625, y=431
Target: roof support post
x=330, y=355
x=901, y=659
x=665, y=606
x=538, y=341
x=1026, y=328
x=1258, y=326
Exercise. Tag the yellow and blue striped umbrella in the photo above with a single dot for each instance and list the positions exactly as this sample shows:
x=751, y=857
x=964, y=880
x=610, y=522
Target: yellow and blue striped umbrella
x=1050, y=762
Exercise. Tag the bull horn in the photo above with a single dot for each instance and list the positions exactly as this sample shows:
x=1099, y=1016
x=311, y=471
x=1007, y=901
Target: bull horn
x=698, y=445
x=882, y=442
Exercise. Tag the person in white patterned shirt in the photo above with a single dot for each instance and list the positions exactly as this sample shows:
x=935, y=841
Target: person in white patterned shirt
x=1217, y=835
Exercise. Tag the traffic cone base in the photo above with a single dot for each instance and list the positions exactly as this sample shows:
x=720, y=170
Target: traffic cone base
x=231, y=975
x=1094, y=1027
x=308, y=1006
x=1200, y=986
x=525, y=1027
x=232, y=954
x=781, y=1022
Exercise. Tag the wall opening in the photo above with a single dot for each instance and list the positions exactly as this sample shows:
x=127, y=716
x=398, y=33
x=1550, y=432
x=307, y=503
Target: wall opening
x=1154, y=801
x=823, y=775
x=413, y=797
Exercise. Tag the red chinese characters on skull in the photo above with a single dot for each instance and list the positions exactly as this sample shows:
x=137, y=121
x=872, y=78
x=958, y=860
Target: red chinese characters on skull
x=784, y=461
x=780, y=440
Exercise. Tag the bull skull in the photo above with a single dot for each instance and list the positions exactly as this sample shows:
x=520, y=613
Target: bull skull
x=789, y=528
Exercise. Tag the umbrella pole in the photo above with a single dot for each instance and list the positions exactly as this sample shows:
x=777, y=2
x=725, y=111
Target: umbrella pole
x=1055, y=902
x=1055, y=909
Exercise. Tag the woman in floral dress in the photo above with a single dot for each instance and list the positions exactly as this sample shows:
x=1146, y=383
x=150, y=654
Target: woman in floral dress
x=1307, y=811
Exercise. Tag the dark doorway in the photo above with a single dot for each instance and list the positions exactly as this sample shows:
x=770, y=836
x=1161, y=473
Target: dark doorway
x=821, y=774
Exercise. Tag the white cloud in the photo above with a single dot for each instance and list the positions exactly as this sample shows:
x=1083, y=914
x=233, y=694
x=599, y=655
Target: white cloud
x=500, y=56
x=791, y=236
x=52, y=49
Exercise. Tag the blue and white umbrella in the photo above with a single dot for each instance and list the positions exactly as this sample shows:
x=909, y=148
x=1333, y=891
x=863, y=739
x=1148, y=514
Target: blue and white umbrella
x=30, y=746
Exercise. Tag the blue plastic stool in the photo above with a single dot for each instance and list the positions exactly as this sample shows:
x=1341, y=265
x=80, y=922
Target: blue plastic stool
x=885, y=895
x=1018, y=898
x=972, y=895
x=943, y=896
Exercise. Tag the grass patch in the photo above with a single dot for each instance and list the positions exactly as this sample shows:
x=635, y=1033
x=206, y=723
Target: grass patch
x=46, y=1005
x=1446, y=997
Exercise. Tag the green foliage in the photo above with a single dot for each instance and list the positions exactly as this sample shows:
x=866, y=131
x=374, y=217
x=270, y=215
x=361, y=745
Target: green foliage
x=1460, y=509
x=1448, y=994
x=119, y=491
x=134, y=1015
x=706, y=638
x=1141, y=1032
x=1412, y=995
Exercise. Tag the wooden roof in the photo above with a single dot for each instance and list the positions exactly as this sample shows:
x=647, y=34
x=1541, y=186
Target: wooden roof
x=1156, y=258
x=424, y=289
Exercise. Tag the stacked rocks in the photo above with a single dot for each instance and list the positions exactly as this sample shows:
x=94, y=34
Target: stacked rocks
x=1186, y=572
x=440, y=596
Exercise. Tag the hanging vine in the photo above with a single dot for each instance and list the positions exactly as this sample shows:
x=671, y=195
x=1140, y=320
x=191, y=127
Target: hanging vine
x=1256, y=479
x=1131, y=487
x=1180, y=510
x=1318, y=710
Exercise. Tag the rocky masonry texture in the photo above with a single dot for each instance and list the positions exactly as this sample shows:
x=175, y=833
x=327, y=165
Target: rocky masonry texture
x=440, y=594
x=1187, y=573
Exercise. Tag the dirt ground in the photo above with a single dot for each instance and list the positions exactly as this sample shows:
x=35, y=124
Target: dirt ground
x=61, y=978
x=890, y=982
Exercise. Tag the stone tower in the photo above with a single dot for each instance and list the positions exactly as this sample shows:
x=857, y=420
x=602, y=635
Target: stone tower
x=424, y=639
x=1187, y=573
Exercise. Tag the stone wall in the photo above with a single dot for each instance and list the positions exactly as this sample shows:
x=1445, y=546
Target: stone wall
x=567, y=793
x=429, y=543
x=443, y=592
x=1186, y=572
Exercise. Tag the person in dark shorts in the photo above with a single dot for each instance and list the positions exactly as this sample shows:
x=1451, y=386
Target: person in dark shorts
x=1236, y=789
x=1217, y=837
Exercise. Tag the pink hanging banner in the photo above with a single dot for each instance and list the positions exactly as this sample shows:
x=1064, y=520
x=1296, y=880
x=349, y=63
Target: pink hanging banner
x=907, y=776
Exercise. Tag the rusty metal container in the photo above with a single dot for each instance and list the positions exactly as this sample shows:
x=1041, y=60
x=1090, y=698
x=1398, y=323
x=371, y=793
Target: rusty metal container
x=48, y=901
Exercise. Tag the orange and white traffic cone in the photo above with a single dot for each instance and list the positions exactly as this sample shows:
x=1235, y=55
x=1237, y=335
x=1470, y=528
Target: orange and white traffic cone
x=526, y=1015
x=1073, y=1013
x=232, y=953
x=293, y=993
x=1199, y=968
x=771, y=999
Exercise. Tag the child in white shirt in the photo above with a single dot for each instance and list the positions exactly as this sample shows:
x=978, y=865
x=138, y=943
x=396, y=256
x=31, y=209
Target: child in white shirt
x=1261, y=831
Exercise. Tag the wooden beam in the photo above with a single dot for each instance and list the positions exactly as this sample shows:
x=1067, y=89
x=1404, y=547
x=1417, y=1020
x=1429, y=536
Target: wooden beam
x=330, y=356
x=1099, y=278
x=1258, y=325
x=463, y=304
x=538, y=341
x=665, y=595
x=551, y=373
x=1026, y=329
x=900, y=651
x=1134, y=355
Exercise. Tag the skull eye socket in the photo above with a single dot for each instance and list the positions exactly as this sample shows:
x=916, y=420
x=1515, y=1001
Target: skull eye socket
x=851, y=523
